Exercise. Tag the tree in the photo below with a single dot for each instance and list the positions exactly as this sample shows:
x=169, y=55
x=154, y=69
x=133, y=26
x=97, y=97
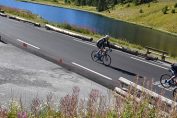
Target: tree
x=100, y=5
x=77, y=2
x=105, y=5
x=165, y=9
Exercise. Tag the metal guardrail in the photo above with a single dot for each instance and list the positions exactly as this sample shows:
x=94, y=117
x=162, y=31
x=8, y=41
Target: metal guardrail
x=154, y=97
x=2, y=14
x=19, y=19
x=50, y=27
x=125, y=94
x=163, y=53
x=149, y=92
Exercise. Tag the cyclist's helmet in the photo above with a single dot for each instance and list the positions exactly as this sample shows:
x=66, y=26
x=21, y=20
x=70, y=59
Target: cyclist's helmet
x=107, y=36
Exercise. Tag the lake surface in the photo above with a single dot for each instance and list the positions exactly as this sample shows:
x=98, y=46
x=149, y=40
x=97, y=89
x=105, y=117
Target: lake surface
x=103, y=25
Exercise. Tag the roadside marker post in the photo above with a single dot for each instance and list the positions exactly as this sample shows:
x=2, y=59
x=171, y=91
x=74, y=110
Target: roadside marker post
x=25, y=45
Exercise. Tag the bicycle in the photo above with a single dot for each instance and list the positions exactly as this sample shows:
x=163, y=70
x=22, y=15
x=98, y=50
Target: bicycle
x=168, y=80
x=101, y=56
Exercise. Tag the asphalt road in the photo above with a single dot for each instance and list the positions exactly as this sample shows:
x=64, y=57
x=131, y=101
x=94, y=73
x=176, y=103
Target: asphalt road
x=75, y=52
x=26, y=76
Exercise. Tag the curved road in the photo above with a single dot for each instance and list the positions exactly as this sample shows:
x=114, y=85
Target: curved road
x=76, y=53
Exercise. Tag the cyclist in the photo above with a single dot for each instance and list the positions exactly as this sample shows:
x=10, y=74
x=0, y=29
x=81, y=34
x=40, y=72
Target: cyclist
x=102, y=43
x=174, y=69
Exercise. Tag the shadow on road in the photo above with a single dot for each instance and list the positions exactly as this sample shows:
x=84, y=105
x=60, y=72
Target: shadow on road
x=125, y=72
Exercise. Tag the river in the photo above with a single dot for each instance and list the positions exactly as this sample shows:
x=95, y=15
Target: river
x=132, y=33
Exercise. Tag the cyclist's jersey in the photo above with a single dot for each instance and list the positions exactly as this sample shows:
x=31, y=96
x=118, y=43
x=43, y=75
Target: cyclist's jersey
x=174, y=67
x=102, y=43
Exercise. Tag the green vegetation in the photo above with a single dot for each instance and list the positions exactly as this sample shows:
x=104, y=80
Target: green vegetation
x=22, y=13
x=175, y=6
x=141, y=11
x=165, y=9
x=173, y=11
x=100, y=5
x=75, y=28
x=96, y=106
x=152, y=15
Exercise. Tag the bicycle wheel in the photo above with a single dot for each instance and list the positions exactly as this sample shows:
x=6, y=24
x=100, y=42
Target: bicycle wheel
x=175, y=93
x=106, y=60
x=165, y=80
x=93, y=55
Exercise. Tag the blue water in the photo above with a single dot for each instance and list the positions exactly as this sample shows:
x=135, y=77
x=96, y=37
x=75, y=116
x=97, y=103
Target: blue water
x=103, y=25
x=61, y=15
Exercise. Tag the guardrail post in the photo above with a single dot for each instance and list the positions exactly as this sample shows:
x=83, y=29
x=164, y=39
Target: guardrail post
x=163, y=57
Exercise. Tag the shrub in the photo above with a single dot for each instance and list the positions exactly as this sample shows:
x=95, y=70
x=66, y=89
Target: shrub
x=55, y=0
x=136, y=2
x=149, y=5
x=141, y=11
x=128, y=5
x=165, y=9
x=173, y=11
x=175, y=6
x=76, y=28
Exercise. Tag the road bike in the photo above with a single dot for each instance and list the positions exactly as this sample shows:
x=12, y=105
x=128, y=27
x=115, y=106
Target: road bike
x=102, y=57
x=168, y=80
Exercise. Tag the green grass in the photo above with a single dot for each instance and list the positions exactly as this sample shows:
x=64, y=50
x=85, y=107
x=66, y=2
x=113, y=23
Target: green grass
x=22, y=13
x=152, y=15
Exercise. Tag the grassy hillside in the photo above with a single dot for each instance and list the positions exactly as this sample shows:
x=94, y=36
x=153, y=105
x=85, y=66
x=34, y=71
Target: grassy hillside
x=151, y=15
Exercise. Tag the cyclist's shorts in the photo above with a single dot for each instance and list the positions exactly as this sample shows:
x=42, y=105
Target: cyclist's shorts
x=99, y=45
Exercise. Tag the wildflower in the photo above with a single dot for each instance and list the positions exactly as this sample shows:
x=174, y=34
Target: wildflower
x=22, y=115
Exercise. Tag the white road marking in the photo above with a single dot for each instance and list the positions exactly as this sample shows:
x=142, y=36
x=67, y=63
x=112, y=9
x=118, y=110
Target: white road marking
x=28, y=44
x=84, y=42
x=149, y=63
x=157, y=83
x=91, y=71
x=123, y=53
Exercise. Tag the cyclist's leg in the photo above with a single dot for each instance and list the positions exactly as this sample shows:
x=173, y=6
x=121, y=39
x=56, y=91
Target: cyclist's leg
x=172, y=79
x=103, y=50
x=99, y=53
x=99, y=49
